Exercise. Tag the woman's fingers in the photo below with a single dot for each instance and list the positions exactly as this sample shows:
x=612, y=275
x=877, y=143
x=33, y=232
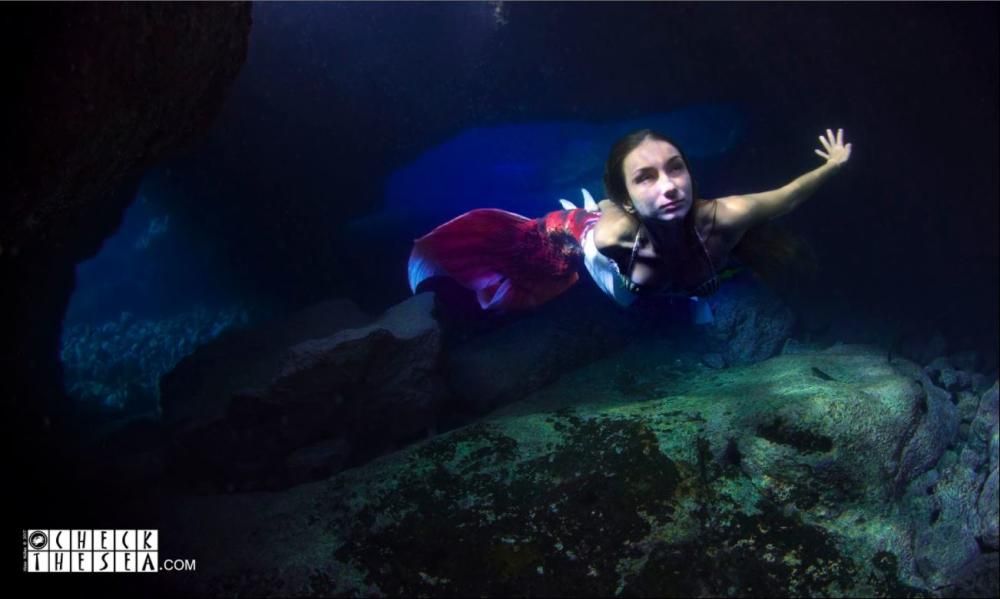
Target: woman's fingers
x=836, y=151
x=830, y=139
x=834, y=146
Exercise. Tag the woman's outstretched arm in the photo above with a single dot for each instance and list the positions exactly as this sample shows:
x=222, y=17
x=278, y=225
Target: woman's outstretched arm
x=742, y=212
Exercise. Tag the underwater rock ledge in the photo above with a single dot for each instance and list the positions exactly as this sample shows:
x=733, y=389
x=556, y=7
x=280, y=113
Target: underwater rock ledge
x=285, y=403
x=805, y=474
x=302, y=398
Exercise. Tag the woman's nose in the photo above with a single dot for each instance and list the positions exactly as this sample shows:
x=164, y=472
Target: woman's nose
x=668, y=187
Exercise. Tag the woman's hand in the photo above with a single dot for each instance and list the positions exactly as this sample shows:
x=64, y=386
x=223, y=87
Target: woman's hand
x=836, y=152
x=738, y=214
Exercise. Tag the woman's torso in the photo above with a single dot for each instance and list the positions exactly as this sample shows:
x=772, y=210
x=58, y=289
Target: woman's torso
x=697, y=261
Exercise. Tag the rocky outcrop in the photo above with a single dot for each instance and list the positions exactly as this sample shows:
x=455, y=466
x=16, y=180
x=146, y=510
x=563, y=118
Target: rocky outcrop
x=956, y=503
x=268, y=409
x=751, y=324
x=533, y=349
x=779, y=479
x=198, y=389
x=259, y=411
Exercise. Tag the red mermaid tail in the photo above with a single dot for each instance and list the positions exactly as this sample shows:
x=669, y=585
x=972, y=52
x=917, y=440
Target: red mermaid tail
x=511, y=262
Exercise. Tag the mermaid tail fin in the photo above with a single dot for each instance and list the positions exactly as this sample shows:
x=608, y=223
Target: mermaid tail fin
x=588, y=202
x=511, y=262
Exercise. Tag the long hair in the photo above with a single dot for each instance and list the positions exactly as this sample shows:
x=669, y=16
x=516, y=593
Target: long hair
x=772, y=253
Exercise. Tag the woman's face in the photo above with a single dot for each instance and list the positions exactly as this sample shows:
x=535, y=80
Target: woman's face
x=658, y=181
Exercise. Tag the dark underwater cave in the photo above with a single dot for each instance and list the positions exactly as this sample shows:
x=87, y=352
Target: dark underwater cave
x=177, y=171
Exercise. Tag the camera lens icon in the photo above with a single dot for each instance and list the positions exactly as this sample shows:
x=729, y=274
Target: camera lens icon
x=38, y=540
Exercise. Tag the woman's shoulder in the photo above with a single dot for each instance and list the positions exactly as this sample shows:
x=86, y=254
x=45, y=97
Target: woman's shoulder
x=711, y=217
x=615, y=226
x=714, y=223
x=704, y=211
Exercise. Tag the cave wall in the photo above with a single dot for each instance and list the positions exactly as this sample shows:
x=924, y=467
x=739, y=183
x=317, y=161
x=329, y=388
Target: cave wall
x=103, y=91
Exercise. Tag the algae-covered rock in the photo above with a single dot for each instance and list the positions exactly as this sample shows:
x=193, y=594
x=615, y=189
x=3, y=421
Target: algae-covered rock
x=954, y=506
x=779, y=479
x=750, y=324
x=985, y=439
x=986, y=507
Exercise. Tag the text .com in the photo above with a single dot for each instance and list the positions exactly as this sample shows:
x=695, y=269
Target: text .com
x=97, y=551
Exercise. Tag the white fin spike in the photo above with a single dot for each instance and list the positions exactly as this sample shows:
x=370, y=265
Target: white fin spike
x=588, y=201
x=567, y=205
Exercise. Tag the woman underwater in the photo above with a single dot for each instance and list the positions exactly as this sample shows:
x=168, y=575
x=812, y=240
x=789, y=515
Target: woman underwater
x=652, y=236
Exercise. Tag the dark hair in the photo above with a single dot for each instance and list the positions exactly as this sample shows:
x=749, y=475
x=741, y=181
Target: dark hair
x=614, y=177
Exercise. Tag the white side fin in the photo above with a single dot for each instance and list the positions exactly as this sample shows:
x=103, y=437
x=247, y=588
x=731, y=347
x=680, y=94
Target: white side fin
x=567, y=205
x=588, y=201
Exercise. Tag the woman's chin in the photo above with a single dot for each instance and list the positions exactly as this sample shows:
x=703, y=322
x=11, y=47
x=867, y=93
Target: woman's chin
x=666, y=216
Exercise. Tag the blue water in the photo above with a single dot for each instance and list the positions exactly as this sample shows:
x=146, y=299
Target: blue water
x=356, y=127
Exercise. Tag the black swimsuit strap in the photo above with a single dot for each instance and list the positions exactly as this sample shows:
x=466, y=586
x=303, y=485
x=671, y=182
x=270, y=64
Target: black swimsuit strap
x=635, y=250
x=708, y=287
x=711, y=285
